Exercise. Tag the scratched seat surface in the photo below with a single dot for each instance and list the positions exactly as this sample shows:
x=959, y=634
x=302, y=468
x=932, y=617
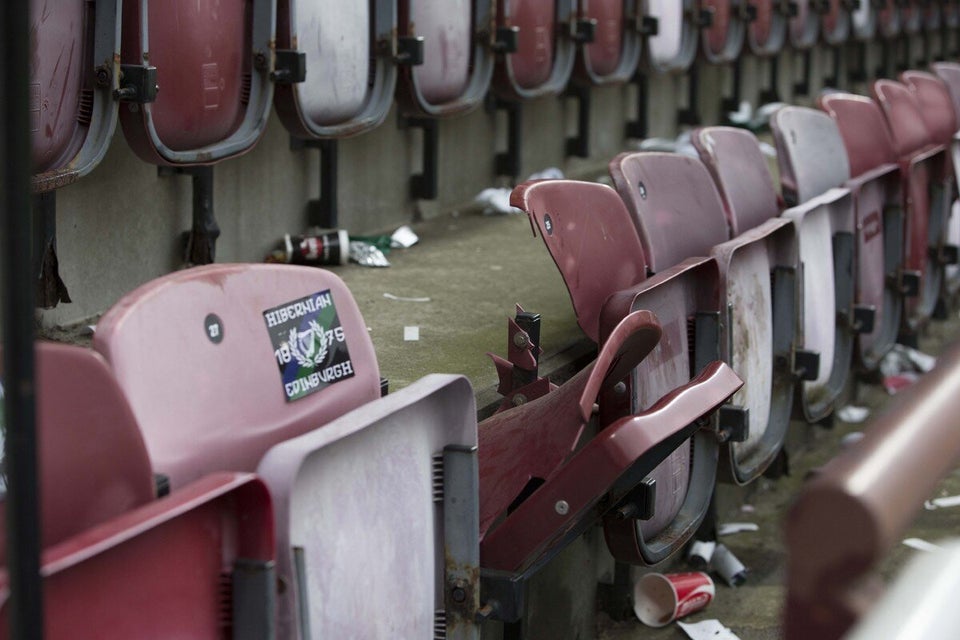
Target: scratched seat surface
x=348, y=87
x=614, y=54
x=72, y=115
x=103, y=531
x=679, y=214
x=544, y=59
x=213, y=100
x=221, y=362
x=722, y=41
x=391, y=484
x=804, y=26
x=674, y=46
x=923, y=165
x=457, y=58
x=588, y=232
x=767, y=34
x=813, y=173
x=875, y=186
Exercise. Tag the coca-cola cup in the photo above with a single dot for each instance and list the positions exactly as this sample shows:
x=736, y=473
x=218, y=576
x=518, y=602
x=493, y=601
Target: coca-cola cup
x=659, y=599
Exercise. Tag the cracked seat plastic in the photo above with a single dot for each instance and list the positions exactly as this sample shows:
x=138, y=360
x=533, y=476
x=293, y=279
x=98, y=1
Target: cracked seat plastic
x=587, y=231
x=875, y=187
x=767, y=34
x=923, y=165
x=72, y=110
x=214, y=98
x=458, y=60
x=108, y=547
x=222, y=362
x=824, y=221
x=348, y=87
x=722, y=41
x=679, y=214
x=392, y=485
x=544, y=59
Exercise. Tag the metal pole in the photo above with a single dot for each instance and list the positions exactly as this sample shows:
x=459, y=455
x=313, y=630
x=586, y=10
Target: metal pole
x=23, y=531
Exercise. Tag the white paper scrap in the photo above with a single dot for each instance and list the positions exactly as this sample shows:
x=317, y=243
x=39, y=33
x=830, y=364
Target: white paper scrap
x=730, y=528
x=852, y=414
x=404, y=237
x=921, y=545
x=390, y=296
x=707, y=630
x=942, y=503
x=411, y=334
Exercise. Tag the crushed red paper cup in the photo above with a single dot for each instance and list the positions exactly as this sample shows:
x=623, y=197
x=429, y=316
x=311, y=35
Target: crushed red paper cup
x=659, y=599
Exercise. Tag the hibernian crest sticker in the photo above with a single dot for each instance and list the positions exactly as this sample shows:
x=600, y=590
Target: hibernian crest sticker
x=309, y=344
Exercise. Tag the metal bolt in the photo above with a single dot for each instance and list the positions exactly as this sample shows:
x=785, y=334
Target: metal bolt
x=103, y=76
x=519, y=399
x=521, y=340
x=562, y=507
x=259, y=61
x=620, y=388
x=459, y=595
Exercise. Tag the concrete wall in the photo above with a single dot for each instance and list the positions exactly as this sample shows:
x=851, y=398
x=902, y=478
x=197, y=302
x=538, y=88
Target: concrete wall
x=121, y=225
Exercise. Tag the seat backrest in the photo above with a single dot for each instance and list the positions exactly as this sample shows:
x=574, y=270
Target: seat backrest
x=865, y=132
x=810, y=153
x=93, y=465
x=723, y=39
x=674, y=205
x=674, y=46
x=767, y=34
x=740, y=172
x=835, y=25
x=590, y=236
x=393, y=485
x=904, y=115
x=72, y=110
x=615, y=51
x=949, y=72
x=222, y=362
x=889, y=21
x=214, y=101
x=348, y=87
x=936, y=104
x=545, y=55
x=805, y=25
x=864, y=21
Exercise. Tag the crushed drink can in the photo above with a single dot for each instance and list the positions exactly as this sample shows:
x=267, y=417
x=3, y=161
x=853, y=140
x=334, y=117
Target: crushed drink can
x=329, y=248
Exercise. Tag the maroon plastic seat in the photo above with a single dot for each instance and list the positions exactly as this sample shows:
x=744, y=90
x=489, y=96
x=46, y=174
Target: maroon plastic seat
x=949, y=72
x=614, y=53
x=103, y=532
x=214, y=96
x=672, y=48
x=824, y=220
x=923, y=168
x=911, y=17
x=458, y=58
x=889, y=20
x=805, y=25
x=679, y=214
x=767, y=33
x=72, y=110
x=722, y=41
x=876, y=190
x=836, y=23
x=587, y=231
x=222, y=362
x=546, y=50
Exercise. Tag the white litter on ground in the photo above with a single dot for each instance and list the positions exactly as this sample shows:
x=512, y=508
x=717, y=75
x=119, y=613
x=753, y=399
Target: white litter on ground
x=942, y=503
x=730, y=528
x=922, y=545
x=707, y=630
x=852, y=414
x=390, y=296
x=497, y=200
x=411, y=334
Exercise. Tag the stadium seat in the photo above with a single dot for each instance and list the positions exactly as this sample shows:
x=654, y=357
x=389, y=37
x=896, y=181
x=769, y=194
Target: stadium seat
x=614, y=53
x=836, y=23
x=805, y=25
x=767, y=34
x=673, y=47
x=722, y=40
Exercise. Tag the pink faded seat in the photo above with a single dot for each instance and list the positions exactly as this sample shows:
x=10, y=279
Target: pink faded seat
x=614, y=54
x=923, y=167
x=767, y=34
x=103, y=532
x=861, y=504
x=458, y=58
x=392, y=484
x=875, y=187
x=348, y=88
x=824, y=230
x=679, y=214
x=722, y=41
x=214, y=100
x=222, y=362
x=87, y=441
x=587, y=231
x=72, y=117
